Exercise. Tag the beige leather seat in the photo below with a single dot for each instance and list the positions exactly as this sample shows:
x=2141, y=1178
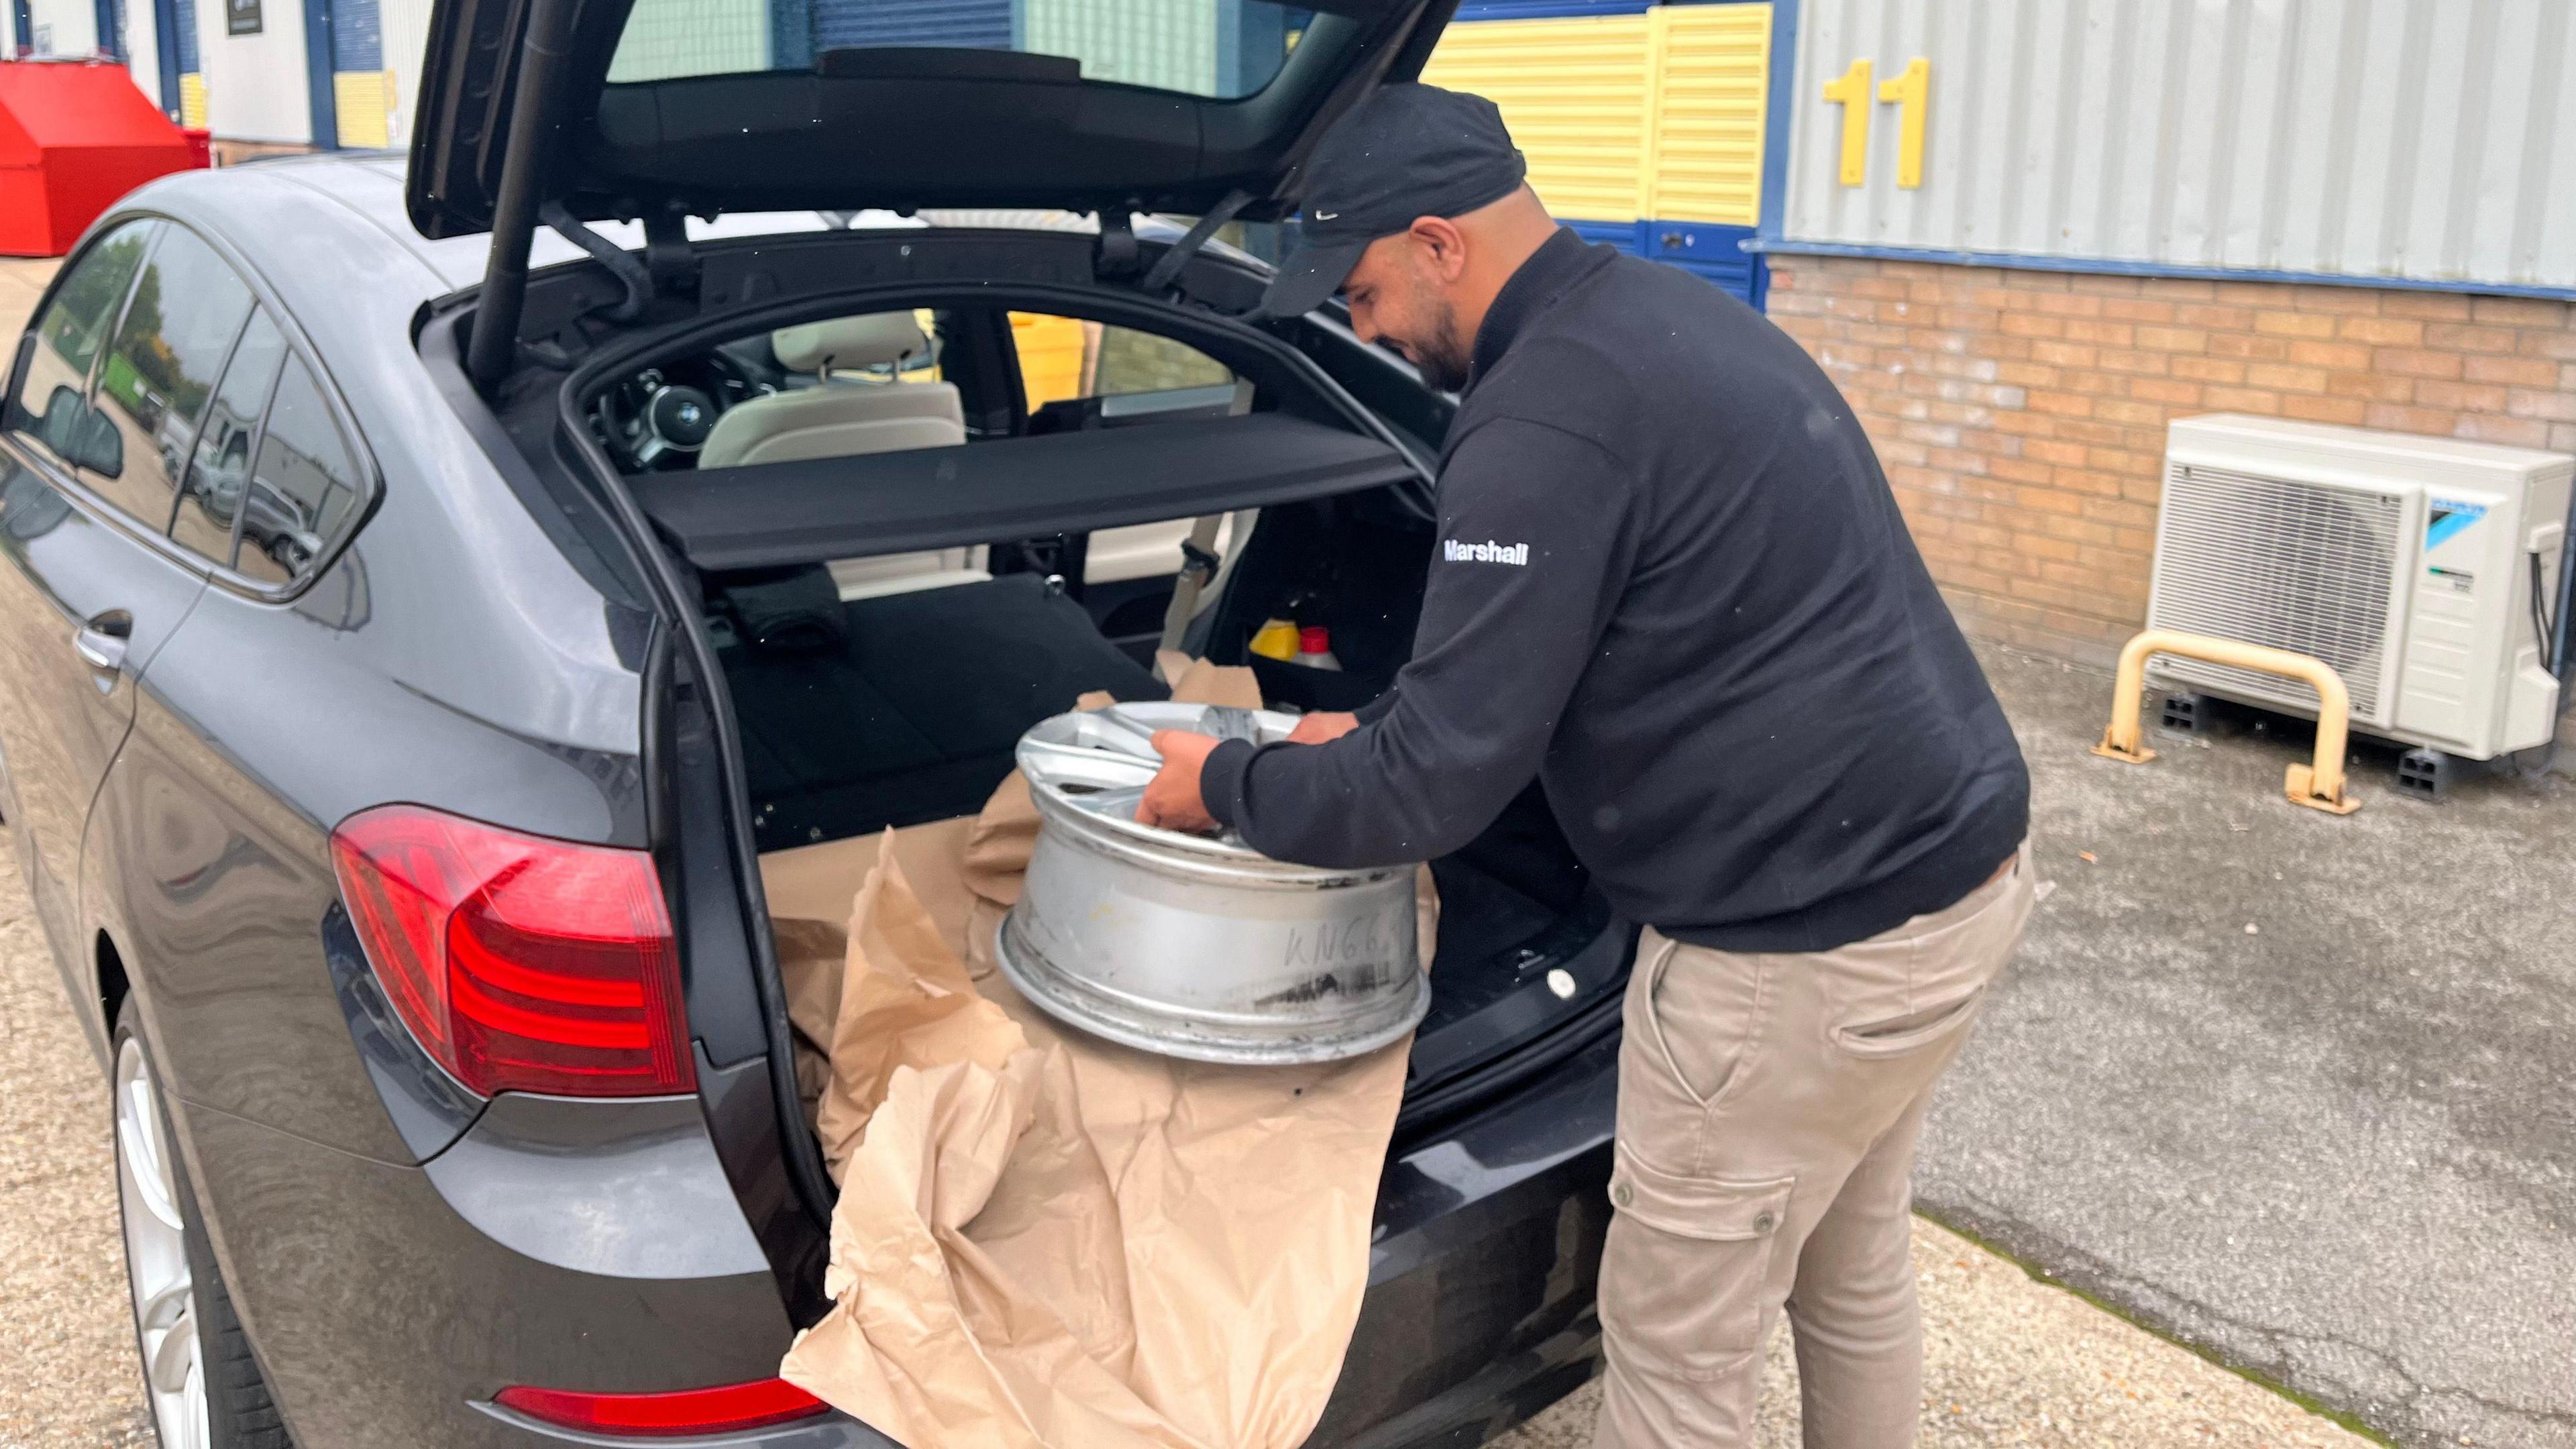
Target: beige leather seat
x=841, y=416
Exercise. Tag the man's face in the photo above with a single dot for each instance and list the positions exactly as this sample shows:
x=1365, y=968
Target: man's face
x=1397, y=295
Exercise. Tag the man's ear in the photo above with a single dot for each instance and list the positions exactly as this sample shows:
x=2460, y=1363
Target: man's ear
x=1441, y=245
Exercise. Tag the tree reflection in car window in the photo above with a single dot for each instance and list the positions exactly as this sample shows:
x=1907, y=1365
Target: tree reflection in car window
x=302, y=488
x=180, y=323
x=219, y=474
x=53, y=393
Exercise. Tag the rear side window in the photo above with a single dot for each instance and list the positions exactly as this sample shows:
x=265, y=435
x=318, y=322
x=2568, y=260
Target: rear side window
x=52, y=392
x=1066, y=362
x=1133, y=362
x=219, y=474
x=159, y=374
x=303, y=489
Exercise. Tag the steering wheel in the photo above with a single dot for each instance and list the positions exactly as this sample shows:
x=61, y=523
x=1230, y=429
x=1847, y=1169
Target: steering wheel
x=658, y=419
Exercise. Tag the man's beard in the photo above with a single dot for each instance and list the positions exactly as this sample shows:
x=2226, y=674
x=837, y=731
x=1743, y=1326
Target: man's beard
x=1442, y=357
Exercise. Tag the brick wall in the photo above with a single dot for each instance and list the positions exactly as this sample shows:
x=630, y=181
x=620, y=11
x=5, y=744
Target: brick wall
x=2021, y=415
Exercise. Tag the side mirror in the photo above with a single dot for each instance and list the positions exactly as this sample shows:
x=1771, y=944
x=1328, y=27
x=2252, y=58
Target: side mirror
x=60, y=428
x=82, y=435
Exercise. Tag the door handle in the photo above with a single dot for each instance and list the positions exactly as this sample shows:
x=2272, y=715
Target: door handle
x=102, y=641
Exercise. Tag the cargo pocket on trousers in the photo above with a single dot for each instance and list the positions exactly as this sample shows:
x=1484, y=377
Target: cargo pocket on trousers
x=1684, y=1268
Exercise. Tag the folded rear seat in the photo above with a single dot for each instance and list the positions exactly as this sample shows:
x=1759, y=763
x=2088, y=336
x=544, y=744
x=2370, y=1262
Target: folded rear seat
x=913, y=716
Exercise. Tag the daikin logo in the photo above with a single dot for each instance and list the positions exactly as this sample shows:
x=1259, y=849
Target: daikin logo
x=2447, y=518
x=1486, y=552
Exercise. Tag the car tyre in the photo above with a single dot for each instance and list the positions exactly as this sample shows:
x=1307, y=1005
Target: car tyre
x=202, y=1385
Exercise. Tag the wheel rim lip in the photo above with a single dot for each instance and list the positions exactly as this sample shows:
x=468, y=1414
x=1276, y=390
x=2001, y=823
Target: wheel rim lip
x=161, y=1291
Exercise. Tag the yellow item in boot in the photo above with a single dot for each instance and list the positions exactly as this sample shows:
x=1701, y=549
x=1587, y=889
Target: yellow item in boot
x=1277, y=640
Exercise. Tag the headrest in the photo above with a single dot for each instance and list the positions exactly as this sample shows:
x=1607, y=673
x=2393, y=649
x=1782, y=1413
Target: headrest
x=872, y=339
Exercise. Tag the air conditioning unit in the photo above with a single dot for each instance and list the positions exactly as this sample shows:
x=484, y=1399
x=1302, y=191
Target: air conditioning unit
x=2420, y=568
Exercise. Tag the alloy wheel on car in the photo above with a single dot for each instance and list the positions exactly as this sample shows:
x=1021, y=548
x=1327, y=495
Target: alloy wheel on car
x=156, y=1257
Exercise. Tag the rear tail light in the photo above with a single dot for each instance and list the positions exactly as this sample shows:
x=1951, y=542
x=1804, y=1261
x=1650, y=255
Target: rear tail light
x=521, y=963
x=690, y=1411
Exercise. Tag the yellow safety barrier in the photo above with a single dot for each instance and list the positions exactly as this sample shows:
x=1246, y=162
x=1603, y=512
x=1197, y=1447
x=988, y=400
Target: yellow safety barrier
x=2319, y=786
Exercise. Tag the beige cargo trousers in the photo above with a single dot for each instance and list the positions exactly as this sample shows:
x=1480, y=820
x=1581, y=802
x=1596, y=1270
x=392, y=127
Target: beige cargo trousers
x=1769, y=1107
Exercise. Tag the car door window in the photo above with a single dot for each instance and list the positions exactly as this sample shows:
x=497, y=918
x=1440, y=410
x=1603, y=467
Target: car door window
x=302, y=490
x=1065, y=359
x=159, y=374
x=1131, y=362
x=219, y=473
x=53, y=389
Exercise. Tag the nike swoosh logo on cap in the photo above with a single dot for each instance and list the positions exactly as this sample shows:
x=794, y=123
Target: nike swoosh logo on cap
x=1328, y=216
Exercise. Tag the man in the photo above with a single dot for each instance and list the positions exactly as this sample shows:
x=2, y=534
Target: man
x=1672, y=585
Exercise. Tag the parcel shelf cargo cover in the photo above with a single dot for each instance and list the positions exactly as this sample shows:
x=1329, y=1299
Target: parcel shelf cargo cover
x=1046, y=1241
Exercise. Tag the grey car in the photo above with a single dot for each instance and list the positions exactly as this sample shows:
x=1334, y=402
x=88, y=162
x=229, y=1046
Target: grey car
x=432, y=584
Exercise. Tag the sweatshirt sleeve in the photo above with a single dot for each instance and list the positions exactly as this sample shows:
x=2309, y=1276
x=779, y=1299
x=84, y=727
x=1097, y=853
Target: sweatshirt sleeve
x=1537, y=536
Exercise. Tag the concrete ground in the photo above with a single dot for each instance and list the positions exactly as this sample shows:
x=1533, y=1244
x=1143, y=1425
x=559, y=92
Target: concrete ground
x=2289, y=1086
x=22, y=280
x=62, y=1271
x=2009, y=1361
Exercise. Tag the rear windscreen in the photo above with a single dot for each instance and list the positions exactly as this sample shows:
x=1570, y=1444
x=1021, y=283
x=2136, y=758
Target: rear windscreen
x=1221, y=48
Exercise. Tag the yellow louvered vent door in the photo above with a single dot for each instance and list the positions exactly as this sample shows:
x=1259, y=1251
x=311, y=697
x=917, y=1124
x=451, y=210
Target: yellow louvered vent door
x=1644, y=129
x=1714, y=93
x=1576, y=94
x=363, y=100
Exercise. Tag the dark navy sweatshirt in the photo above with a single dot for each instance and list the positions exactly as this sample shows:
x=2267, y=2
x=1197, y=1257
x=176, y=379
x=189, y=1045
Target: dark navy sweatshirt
x=1670, y=583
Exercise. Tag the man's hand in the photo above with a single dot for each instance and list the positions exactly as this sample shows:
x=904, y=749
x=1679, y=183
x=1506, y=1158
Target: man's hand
x=1172, y=800
x=1316, y=729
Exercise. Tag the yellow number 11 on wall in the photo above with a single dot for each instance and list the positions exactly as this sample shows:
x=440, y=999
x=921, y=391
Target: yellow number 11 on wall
x=1912, y=92
x=1851, y=89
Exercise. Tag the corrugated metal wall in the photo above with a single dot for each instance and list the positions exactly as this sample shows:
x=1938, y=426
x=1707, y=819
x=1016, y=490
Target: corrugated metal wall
x=64, y=27
x=406, y=31
x=253, y=87
x=2424, y=139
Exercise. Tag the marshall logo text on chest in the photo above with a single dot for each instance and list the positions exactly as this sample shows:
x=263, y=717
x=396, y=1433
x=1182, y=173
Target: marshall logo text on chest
x=1452, y=551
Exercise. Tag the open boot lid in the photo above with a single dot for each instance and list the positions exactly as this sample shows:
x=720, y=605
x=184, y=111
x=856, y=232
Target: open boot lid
x=649, y=114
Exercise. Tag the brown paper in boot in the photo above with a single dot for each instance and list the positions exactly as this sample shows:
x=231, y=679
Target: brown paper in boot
x=1168, y=1254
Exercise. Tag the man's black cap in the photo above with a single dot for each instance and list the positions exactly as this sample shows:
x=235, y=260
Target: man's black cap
x=1407, y=151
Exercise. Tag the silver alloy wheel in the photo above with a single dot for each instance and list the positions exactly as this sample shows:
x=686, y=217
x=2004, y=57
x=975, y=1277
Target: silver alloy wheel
x=156, y=1258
